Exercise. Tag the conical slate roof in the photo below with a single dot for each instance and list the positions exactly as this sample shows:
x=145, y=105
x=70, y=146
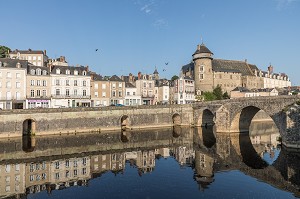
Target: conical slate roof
x=202, y=49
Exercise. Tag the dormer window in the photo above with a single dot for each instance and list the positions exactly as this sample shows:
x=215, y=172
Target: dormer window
x=32, y=72
x=18, y=65
x=68, y=72
x=44, y=72
x=144, y=77
x=58, y=71
x=38, y=71
x=84, y=72
x=75, y=72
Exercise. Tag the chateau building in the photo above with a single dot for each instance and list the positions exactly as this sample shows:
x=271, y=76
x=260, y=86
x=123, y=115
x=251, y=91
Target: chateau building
x=35, y=57
x=12, y=83
x=229, y=74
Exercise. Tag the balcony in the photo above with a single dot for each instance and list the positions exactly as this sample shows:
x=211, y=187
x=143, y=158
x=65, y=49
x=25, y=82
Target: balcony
x=71, y=96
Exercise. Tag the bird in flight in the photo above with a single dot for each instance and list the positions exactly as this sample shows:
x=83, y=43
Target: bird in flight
x=164, y=69
x=96, y=49
x=167, y=63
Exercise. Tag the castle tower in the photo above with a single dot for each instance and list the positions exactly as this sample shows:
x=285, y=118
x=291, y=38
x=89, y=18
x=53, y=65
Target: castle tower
x=203, y=73
x=156, y=74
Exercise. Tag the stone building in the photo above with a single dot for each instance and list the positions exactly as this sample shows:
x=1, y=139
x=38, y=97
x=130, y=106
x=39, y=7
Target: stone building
x=38, y=90
x=229, y=74
x=100, y=90
x=12, y=83
x=117, y=89
x=70, y=86
x=35, y=57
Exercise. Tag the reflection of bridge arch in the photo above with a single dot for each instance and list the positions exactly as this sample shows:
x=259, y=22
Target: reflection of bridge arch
x=206, y=118
x=176, y=119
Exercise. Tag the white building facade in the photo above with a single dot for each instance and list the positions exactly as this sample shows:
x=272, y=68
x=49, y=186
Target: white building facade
x=184, y=90
x=131, y=97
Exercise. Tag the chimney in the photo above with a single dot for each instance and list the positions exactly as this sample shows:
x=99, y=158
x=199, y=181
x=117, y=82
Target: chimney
x=87, y=68
x=270, y=69
x=139, y=75
x=45, y=52
x=62, y=58
x=198, y=47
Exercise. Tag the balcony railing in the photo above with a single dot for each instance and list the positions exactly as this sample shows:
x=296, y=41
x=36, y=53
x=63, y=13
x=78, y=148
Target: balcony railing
x=71, y=96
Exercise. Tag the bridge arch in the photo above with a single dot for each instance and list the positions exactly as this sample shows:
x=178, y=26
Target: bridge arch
x=124, y=122
x=29, y=127
x=176, y=119
x=242, y=119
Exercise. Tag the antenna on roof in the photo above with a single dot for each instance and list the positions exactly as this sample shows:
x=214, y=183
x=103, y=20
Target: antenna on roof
x=201, y=39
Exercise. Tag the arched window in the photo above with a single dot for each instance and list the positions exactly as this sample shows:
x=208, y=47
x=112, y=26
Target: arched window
x=84, y=72
x=32, y=72
x=38, y=71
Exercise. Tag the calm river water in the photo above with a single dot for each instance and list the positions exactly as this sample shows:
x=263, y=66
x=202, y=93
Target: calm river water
x=165, y=163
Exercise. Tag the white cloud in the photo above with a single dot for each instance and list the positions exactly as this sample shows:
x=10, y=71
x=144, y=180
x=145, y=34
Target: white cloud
x=147, y=7
x=160, y=23
x=283, y=4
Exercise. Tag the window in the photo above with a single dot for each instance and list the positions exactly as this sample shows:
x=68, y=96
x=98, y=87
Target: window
x=67, y=163
x=44, y=83
x=96, y=94
x=7, y=168
x=145, y=84
x=67, y=174
x=8, y=85
x=38, y=82
x=58, y=71
x=67, y=82
x=56, y=176
x=84, y=161
x=29, y=57
x=96, y=85
x=120, y=85
x=103, y=94
x=17, y=167
x=67, y=92
x=201, y=76
x=34, y=57
x=84, y=73
x=31, y=178
x=128, y=93
x=133, y=93
x=83, y=171
x=103, y=86
x=18, y=75
x=84, y=92
x=75, y=82
x=75, y=92
x=38, y=93
x=57, y=91
x=114, y=85
x=83, y=83
x=57, y=83
x=75, y=72
x=32, y=72
x=120, y=93
x=39, y=58
x=44, y=93
x=75, y=172
x=114, y=93
x=44, y=72
x=68, y=72
x=57, y=165
x=201, y=68
x=31, y=82
x=38, y=71
x=75, y=163
x=18, y=84
x=8, y=74
x=44, y=176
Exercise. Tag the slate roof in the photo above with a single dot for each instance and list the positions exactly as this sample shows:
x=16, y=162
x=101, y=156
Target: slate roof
x=12, y=63
x=202, y=49
x=241, y=89
x=31, y=66
x=155, y=71
x=63, y=69
x=29, y=51
x=115, y=78
x=97, y=77
x=187, y=67
x=233, y=66
x=129, y=85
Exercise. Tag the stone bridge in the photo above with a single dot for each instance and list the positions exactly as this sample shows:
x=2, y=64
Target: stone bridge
x=232, y=115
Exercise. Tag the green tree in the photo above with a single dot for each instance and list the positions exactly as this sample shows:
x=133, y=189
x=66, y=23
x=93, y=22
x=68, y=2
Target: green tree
x=218, y=93
x=4, y=51
x=209, y=96
x=174, y=78
x=226, y=96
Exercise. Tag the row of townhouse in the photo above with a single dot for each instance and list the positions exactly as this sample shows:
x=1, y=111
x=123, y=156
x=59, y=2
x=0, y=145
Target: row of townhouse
x=28, y=79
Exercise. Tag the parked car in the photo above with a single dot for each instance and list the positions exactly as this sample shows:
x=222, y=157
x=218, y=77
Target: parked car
x=119, y=105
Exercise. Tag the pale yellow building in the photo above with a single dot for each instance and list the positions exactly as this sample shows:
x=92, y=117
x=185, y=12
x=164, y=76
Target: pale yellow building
x=100, y=91
x=12, y=83
x=35, y=57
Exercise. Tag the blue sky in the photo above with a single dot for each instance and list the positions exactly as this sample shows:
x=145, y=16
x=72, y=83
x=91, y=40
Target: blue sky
x=139, y=35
